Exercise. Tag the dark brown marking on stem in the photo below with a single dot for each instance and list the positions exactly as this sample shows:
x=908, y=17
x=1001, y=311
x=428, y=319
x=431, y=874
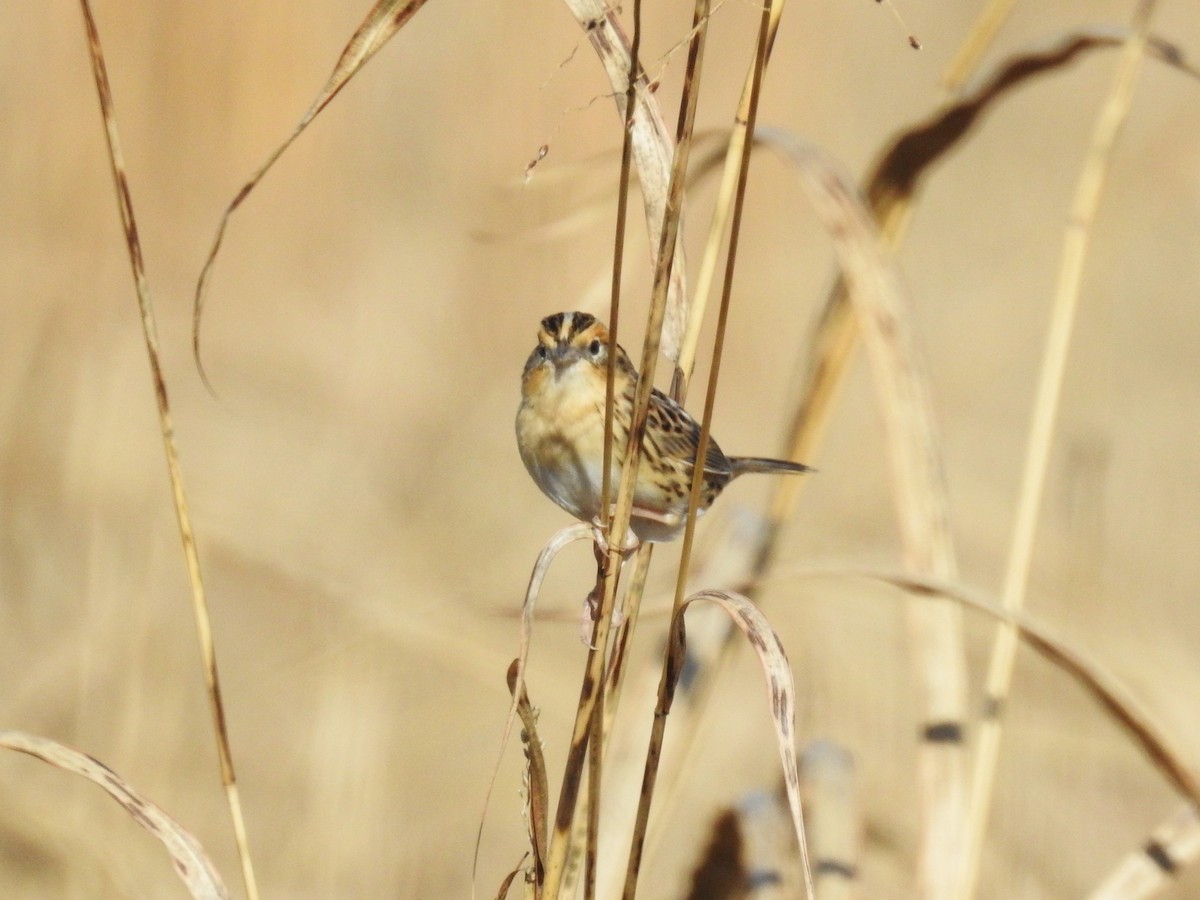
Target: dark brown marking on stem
x=1161, y=856
x=948, y=732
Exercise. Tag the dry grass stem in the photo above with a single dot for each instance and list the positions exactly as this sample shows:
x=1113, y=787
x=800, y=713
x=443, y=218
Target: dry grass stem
x=190, y=861
x=600, y=717
x=1045, y=413
x=1149, y=869
x=983, y=33
x=175, y=473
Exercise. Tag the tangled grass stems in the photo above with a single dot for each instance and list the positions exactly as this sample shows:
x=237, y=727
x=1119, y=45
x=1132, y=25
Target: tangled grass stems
x=673, y=658
x=594, y=679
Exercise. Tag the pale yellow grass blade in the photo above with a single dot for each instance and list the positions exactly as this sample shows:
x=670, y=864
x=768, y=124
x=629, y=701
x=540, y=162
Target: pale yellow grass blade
x=384, y=20
x=1044, y=418
x=189, y=859
x=983, y=32
x=735, y=151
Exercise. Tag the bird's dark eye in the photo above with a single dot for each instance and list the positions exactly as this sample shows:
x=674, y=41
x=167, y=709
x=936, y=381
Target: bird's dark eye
x=541, y=351
x=595, y=347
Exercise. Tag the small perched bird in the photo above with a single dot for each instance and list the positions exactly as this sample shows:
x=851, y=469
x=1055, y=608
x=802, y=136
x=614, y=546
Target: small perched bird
x=560, y=433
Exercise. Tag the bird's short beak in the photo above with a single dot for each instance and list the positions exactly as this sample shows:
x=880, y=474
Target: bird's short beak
x=561, y=359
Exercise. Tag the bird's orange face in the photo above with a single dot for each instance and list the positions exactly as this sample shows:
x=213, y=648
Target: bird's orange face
x=570, y=346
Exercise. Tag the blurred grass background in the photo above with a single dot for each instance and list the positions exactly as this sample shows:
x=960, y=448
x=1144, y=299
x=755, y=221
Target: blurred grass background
x=363, y=516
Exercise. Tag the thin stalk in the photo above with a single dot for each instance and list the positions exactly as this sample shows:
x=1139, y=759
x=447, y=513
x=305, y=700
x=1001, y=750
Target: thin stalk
x=673, y=657
x=183, y=518
x=614, y=309
x=596, y=741
x=981, y=36
x=1088, y=192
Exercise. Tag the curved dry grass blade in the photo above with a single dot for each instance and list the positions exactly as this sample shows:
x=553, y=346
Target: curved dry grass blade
x=651, y=146
x=191, y=862
x=1045, y=414
x=1148, y=871
x=899, y=170
x=182, y=517
x=561, y=538
x=384, y=20
x=1104, y=689
x=781, y=691
x=506, y=884
x=1109, y=693
x=537, y=786
x=922, y=507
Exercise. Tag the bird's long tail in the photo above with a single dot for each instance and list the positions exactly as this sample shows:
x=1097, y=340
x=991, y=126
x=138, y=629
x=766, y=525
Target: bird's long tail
x=744, y=464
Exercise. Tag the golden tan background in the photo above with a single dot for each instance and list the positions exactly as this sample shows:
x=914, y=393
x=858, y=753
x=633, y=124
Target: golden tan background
x=364, y=519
